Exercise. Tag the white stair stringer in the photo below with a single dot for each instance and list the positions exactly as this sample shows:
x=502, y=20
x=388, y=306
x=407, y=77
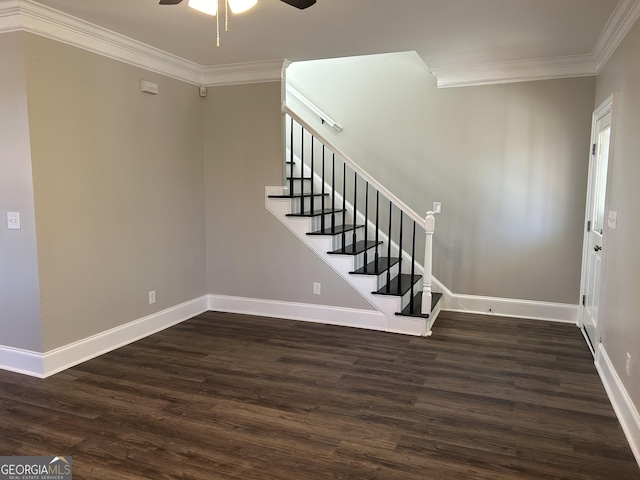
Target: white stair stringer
x=342, y=265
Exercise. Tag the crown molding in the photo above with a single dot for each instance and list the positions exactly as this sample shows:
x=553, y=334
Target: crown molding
x=517, y=71
x=621, y=21
x=9, y=16
x=239, y=73
x=32, y=17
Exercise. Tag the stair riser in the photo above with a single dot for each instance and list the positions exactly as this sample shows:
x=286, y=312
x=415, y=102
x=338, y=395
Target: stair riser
x=305, y=204
x=317, y=223
x=297, y=182
x=406, y=298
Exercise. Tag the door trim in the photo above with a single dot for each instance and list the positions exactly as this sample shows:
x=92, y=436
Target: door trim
x=608, y=106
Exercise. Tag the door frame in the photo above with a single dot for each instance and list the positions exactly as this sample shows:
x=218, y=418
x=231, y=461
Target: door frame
x=609, y=105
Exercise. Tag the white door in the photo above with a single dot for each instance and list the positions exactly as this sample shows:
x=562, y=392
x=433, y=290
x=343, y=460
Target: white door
x=595, y=222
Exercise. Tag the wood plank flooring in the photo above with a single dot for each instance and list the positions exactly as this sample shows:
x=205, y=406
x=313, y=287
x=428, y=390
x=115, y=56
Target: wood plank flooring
x=237, y=397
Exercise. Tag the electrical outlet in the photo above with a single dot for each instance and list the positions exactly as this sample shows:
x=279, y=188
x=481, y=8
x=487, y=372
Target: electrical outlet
x=13, y=220
x=316, y=288
x=152, y=297
x=628, y=366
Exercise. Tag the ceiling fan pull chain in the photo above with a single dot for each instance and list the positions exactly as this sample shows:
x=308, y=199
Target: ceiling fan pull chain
x=226, y=15
x=218, y=29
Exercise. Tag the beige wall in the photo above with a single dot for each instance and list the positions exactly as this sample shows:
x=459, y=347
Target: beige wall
x=119, y=190
x=19, y=291
x=250, y=253
x=508, y=162
x=618, y=315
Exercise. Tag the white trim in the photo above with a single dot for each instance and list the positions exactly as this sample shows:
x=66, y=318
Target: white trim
x=516, y=71
x=621, y=21
x=605, y=107
x=241, y=73
x=32, y=17
x=626, y=411
x=50, y=23
x=342, y=316
x=509, y=307
x=96, y=345
x=9, y=16
x=54, y=361
x=21, y=361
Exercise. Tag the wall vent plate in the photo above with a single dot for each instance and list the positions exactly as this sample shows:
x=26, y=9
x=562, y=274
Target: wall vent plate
x=148, y=87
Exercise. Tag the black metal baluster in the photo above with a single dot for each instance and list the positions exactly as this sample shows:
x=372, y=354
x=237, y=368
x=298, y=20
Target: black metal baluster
x=413, y=265
x=322, y=193
x=302, y=167
x=366, y=230
x=333, y=193
x=389, y=248
x=400, y=246
x=377, y=257
x=291, y=159
x=355, y=203
x=344, y=200
x=312, y=173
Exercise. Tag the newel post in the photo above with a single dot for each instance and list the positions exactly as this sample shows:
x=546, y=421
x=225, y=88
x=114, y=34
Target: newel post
x=429, y=227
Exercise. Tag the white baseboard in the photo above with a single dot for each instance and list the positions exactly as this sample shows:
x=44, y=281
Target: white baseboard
x=43, y=365
x=22, y=361
x=626, y=411
x=508, y=307
x=348, y=317
x=54, y=361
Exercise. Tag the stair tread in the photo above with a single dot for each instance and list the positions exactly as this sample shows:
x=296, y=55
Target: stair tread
x=399, y=285
x=417, y=305
x=337, y=229
x=356, y=248
x=298, y=178
x=297, y=195
x=377, y=267
x=315, y=213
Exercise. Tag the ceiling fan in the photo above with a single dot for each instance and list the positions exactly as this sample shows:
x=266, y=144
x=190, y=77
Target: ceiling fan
x=301, y=4
x=210, y=7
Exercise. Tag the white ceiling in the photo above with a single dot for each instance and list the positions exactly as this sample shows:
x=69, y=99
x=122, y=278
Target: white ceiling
x=486, y=40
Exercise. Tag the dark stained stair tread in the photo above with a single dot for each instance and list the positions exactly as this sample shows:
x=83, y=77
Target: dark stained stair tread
x=399, y=285
x=336, y=230
x=355, y=249
x=417, y=305
x=315, y=213
x=298, y=195
x=377, y=267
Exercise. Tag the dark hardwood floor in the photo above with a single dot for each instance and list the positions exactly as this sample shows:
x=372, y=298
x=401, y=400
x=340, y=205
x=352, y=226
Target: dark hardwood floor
x=236, y=397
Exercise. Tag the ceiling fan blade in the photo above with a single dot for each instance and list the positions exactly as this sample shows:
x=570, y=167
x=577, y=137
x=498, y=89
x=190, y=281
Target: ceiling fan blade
x=169, y=2
x=301, y=4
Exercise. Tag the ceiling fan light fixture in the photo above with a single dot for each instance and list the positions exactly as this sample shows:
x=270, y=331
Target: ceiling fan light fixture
x=239, y=6
x=210, y=7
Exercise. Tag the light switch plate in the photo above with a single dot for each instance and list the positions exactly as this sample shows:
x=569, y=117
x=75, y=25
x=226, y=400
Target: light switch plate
x=612, y=221
x=13, y=220
x=437, y=207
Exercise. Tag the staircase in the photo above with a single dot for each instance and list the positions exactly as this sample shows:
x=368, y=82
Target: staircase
x=366, y=234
